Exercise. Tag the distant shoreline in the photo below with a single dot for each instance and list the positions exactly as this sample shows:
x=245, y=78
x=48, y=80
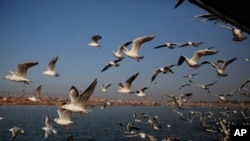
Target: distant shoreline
x=101, y=101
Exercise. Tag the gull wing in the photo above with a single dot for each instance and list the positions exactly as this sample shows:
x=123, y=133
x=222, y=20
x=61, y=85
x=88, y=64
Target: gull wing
x=185, y=96
x=84, y=97
x=66, y=114
x=243, y=85
x=106, y=67
x=37, y=91
x=224, y=65
x=226, y=27
x=155, y=73
x=139, y=41
x=73, y=94
x=48, y=122
x=121, y=47
x=199, y=53
x=96, y=38
x=108, y=85
x=130, y=80
x=211, y=84
x=22, y=68
x=52, y=63
x=160, y=46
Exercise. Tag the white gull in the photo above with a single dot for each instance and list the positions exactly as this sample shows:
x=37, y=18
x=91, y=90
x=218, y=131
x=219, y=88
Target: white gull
x=51, y=68
x=36, y=94
x=49, y=130
x=78, y=102
x=125, y=89
x=193, y=62
x=136, y=44
x=20, y=74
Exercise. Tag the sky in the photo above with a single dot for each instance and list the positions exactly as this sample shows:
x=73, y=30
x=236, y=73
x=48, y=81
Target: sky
x=38, y=30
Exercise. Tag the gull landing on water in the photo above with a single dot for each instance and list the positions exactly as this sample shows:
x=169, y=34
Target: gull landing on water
x=20, y=74
x=136, y=44
x=126, y=88
x=78, y=102
x=51, y=68
x=193, y=62
x=36, y=95
x=118, y=53
x=94, y=42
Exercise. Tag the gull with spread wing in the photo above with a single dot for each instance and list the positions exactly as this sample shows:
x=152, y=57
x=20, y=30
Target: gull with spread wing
x=51, y=68
x=118, y=53
x=36, y=94
x=193, y=62
x=125, y=89
x=163, y=70
x=49, y=130
x=221, y=69
x=94, y=41
x=20, y=74
x=179, y=101
x=168, y=45
x=78, y=102
x=136, y=44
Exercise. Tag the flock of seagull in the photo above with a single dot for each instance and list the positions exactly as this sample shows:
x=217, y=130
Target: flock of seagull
x=78, y=101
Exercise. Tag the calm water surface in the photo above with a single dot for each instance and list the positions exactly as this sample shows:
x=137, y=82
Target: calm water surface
x=101, y=124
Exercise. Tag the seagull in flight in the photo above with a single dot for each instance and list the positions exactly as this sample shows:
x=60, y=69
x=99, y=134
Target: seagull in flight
x=243, y=84
x=94, y=42
x=125, y=89
x=163, y=70
x=194, y=44
x=36, y=94
x=190, y=75
x=78, y=102
x=112, y=63
x=237, y=36
x=136, y=44
x=51, y=68
x=64, y=117
x=179, y=101
x=221, y=69
x=118, y=53
x=203, y=86
x=168, y=45
x=141, y=93
x=193, y=62
x=20, y=74
x=15, y=131
x=49, y=130
x=105, y=88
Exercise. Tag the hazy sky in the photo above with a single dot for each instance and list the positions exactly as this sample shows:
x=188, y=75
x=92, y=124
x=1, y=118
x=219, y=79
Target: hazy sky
x=38, y=30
